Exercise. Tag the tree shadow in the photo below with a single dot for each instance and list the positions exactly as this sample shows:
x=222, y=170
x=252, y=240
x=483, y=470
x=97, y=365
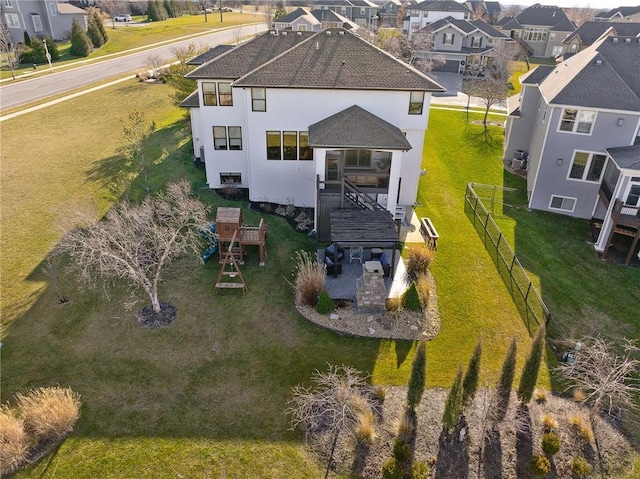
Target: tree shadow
x=524, y=440
x=360, y=459
x=492, y=455
x=453, y=455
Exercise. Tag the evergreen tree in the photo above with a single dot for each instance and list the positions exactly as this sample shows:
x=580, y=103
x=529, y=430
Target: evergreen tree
x=37, y=52
x=453, y=406
x=100, y=24
x=418, y=374
x=80, y=43
x=53, y=48
x=471, y=377
x=152, y=11
x=93, y=32
x=503, y=388
x=529, y=376
x=27, y=39
x=280, y=12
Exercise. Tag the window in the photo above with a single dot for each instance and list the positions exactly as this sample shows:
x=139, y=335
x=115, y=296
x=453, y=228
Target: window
x=37, y=22
x=13, y=20
x=357, y=158
x=273, y=145
x=416, y=102
x=562, y=203
x=219, y=138
x=8, y=3
x=289, y=145
x=258, y=99
x=633, y=198
x=535, y=34
x=476, y=42
x=577, y=121
x=53, y=10
x=305, y=151
x=552, y=36
x=587, y=166
x=235, y=138
x=573, y=48
x=363, y=11
x=557, y=50
x=209, y=93
x=447, y=38
x=224, y=94
x=230, y=178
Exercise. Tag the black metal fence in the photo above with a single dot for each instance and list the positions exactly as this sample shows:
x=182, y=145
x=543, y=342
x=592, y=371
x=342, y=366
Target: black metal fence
x=524, y=293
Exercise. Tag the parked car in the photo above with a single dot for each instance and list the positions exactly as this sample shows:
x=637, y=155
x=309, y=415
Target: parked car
x=226, y=9
x=122, y=18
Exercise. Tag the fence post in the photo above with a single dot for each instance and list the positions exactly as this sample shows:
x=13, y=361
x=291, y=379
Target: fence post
x=526, y=303
x=513, y=261
x=498, y=250
x=486, y=224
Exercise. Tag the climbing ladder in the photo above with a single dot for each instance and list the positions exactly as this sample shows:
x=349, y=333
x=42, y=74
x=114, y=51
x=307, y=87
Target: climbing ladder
x=232, y=272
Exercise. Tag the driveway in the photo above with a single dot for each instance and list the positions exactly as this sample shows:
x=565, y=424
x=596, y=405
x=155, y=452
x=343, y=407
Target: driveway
x=451, y=81
x=454, y=96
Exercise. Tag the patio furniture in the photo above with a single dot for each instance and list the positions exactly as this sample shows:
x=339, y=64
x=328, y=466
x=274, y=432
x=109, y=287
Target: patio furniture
x=386, y=266
x=334, y=252
x=356, y=252
x=333, y=269
x=376, y=253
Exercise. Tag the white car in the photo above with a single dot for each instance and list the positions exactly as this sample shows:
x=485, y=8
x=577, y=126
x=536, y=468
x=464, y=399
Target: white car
x=122, y=18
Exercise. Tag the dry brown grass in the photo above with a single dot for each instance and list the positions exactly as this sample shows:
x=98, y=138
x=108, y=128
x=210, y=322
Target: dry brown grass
x=365, y=429
x=49, y=413
x=309, y=278
x=14, y=441
x=424, y=289
x=404, y=426
x=540, y=395
x=549, y=423
x=581, y=425
x=418, y=259
x=578, y=395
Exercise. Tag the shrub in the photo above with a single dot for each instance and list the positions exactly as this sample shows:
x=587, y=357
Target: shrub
x=418, y=373
x=27, y=39
x=424, y=289
x=53, y=49
x=80, y=42
x=410, y=299
x=549, y=422
x=540, y=395
x=14, y=442
x=49, y=413
x=550, y=443
x=391, y=469
x=309, y=279
x=401, y=450
x=379, y=393
x=580, y=467
x=419, y=470
x=582, y=426
x=418, y=260
x=365, y=430
x=539, y=465
x=471, y=377
x=35, y=53
x=393, y=304
x=404, y=427
x=93, y=31
x=325, y=303
x=578, y=395
x=531, y=368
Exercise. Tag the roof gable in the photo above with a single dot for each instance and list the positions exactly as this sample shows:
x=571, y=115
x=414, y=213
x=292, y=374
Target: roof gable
x=589, y=32
x=626, y=157
x=210, y=54
x=542, y=16
x=488, y=29
x=441, y=6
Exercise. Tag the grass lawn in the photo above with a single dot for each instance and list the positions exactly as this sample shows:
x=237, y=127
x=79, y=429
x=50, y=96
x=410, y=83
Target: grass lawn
x=210, y=390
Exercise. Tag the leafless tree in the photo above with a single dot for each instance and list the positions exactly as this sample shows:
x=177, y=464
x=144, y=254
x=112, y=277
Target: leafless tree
x=175, y=74
x=52, y=269
x=579, y=15
x=268, y=10
x=11, y=52
x=501, y=64
x=340, y=396
x=421, y=50
x=491, y=91
x=153, y=63
x=135, y=242
x=113, y=8
x=136, y=130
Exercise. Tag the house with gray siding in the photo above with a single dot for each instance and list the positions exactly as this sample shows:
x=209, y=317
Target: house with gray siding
x=578, y=123
x=40, y=18
x=427, y=12
x=589, y=32
x=619, y=14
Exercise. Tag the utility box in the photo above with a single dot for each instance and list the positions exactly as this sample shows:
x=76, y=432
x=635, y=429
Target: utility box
x=228, y=221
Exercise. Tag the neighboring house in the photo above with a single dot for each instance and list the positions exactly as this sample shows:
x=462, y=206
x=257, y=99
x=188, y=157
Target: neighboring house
x=388, y=12
x=210, y=54
x=303, y=20
x=579, y=124
x=463, y=45
x=297, y=117
x=490, y=12
x=541, y=28
x=361, y=12
x=40, y=18
x=629, y=14
x=589, y=32
x=422, y=14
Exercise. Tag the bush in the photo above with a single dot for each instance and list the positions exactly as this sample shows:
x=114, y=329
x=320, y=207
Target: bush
x=549, y=422
x=309, y=279
x=53, y=49
x=410, y=299
x=80, y=43
x=325, y=303
x=418, y=260
x=401, y=451
x=35, y=53
x=93, y=31
x=365, y=430
x=49, y=413
x=539, y=465
x=419, y=470
x=580, y=467
x=379, y=393
x=583, y=428
x=14, y=442
x=391, y=469
x=550, y=443
x=540, y=396
x=27, y=39
x=404, y=428
x=424, y=289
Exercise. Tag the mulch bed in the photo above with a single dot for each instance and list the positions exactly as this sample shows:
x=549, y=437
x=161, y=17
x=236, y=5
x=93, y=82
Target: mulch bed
x=149, y=319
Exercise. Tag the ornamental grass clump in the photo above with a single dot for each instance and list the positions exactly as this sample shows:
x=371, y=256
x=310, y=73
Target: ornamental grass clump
x=14, y=441
x=418, y=260
x=309, y=278
x=49, y=413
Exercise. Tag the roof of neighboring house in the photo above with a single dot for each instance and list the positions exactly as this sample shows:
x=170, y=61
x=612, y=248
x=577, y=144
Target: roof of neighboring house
x=345, y=3
x=488, y=29
x=493, y=8
x=605, y=75
x=68, y=9
x=464, y=26
x=509, y=23
x=297, y=13
x=624, y=11
x=441, y=6
x=248, y=56
x=329, y=16
x=210, y=54
x=627, y=157
x=335, y=59
x=547, y=16
x=589, y=32
x=355, y=127
x=537, y=75
x=192, y=101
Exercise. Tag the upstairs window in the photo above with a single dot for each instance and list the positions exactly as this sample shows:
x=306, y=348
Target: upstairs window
x=13, y=20
x=220, y=138
x=633, y=198
x=209, y=93
x=416, y=103
x=258, y=99
x=235, y=138
x=577, y=121
x=37, y=23
x=224, y=94
x=8, y=3
x=587, y=166
x=447, y=38
x=476, y=42
x=53, y=9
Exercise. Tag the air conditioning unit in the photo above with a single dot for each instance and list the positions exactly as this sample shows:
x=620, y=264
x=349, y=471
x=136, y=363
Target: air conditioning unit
x=519, y=164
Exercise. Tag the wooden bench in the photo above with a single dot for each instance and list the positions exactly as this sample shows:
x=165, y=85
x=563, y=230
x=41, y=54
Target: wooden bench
x=429, y=233
x=220, y=286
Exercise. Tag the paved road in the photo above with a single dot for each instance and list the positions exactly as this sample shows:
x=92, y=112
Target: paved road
x=27, y=91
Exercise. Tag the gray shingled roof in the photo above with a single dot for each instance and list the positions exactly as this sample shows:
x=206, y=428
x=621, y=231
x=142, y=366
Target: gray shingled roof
x=589, y=32
x=624, y=11
x=329, y=16
x=604, y=75
x=461, y=25
x=290, y=17
x=248, y=56
x=488, y=29
x=440, y=6
x=509, y=23
x=210, y=54
x=541, y=15
x=493, y=7
x=356, y=128
x=565, y=25
x=192, y=101
x=627, y=157
x=337, y=59
x=537, y=75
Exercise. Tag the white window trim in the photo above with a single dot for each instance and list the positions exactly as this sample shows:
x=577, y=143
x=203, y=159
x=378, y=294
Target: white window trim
x=13, y=20
x=8, y=3
x=53, y=9
x=575, y=202
x=575, y=122
x=38, y=26
x=587, y=167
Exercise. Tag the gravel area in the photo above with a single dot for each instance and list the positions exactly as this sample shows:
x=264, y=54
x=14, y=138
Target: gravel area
x=401, y=324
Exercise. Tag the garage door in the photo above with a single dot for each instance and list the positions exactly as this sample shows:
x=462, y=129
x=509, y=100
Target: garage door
x=450, y=66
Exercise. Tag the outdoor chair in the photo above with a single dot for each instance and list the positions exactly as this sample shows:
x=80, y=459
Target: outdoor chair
x=386, y=265
x=335, y=253
x=333, y=269
x=357, y=252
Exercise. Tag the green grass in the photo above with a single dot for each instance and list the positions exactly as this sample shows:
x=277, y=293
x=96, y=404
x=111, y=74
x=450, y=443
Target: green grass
x=519, y=69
